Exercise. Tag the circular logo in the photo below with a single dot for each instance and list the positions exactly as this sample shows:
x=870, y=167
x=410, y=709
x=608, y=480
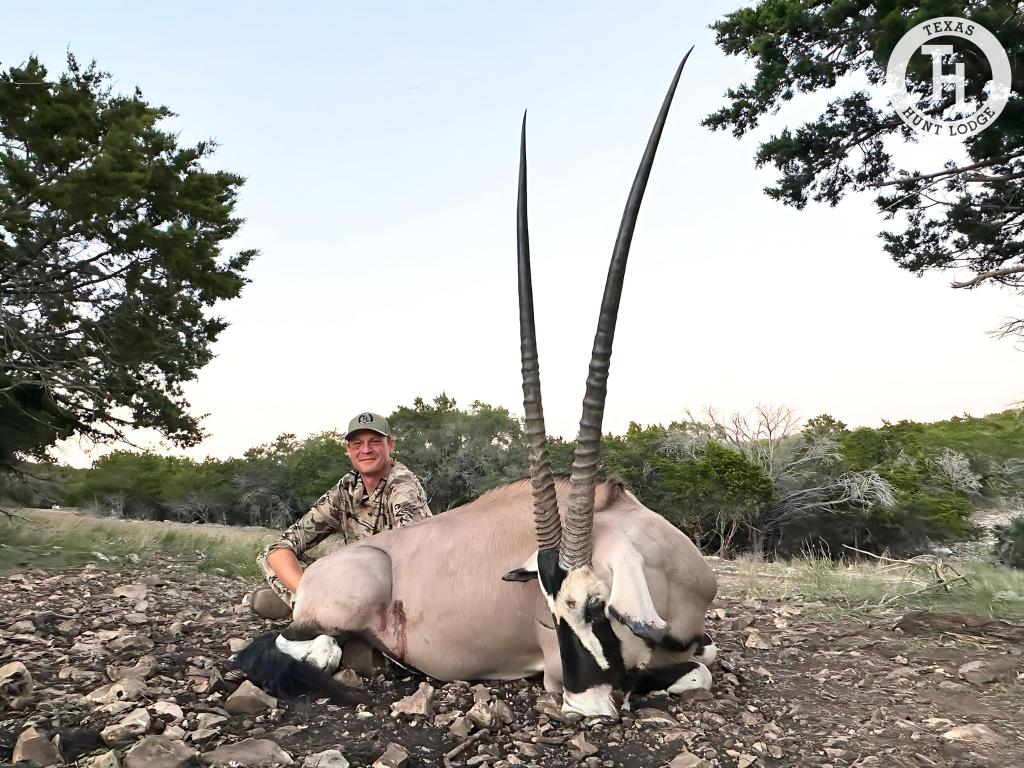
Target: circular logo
x=919, y=40
x=365, y=418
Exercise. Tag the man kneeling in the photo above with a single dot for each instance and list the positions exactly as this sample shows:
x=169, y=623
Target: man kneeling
x=377, y=495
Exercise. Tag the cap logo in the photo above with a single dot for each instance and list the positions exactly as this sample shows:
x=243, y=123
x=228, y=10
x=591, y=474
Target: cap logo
x=365, y=418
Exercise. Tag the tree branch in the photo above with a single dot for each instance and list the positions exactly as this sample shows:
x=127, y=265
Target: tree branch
x=951, y=171
x=991, y=274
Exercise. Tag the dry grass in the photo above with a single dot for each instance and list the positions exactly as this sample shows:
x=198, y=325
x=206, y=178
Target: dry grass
x=864, y=586
x=52, y=539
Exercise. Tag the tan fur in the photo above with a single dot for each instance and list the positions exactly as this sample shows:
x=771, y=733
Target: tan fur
x=431, y=593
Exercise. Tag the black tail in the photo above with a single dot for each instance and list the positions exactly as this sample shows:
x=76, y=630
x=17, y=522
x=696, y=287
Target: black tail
x=280, y=675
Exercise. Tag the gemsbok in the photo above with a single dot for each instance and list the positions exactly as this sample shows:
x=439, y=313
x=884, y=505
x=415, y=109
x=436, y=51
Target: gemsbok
x=623, y=593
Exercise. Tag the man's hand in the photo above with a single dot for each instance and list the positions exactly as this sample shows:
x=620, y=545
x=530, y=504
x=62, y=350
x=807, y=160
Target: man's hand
x=285, y=564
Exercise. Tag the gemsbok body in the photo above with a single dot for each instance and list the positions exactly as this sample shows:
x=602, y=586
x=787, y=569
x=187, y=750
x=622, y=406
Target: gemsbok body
x=622, y=596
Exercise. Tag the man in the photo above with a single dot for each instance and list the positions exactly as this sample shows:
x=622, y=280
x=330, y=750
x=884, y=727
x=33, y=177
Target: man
x=378, y=494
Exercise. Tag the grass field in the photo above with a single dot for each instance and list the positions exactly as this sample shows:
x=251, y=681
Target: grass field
x=50, y=540
x=863, y=586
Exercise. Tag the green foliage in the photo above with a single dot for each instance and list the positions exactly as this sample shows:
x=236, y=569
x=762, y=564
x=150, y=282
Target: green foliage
x=711, y=494
x=824, y=426
x=994, y=443
x=958, y=215
x=458, y=454
x=271, y=486
x=895, y=487
x=1009, y=547
x=864, y=448
x=111, y=240
x=929, y=503
x=29, y=418
x=720, y=491
x=37, y=484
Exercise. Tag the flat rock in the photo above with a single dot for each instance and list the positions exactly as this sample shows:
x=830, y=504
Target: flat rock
x=205, y=680
x=118, y=707
x=131, y=642
x=158, y=752
x=977, y=672
x=444, y=719
x=168, y=709
x=688, y=760
x=249, y=700
x=974, y=732
x=33, y=747
x=106, y=760
x=129, y=689
x=131, y=591
x=580, y=747
x=503, y=711
x=420, y=703
x=481, y=714
x=69, y=627
x=547, y=705
x=15, y=682
x=481, y=692
x=248, y=753
x=395, y=756
x=654, y=716
x=144, y=668
x=756, y=641
x=329, y=758
x=349, y=677
x=202, y=735
x=210, y=720
x=135, y=724
x=461, y=727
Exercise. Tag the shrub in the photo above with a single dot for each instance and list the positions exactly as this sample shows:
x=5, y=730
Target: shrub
x=1009, y=546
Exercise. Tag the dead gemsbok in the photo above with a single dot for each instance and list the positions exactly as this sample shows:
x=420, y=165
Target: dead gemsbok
x=622, y=592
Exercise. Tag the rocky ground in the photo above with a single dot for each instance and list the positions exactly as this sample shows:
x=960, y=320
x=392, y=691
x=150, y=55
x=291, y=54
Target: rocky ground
x=125, y=663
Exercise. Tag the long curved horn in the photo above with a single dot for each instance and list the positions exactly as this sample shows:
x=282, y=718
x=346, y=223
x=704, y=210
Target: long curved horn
x=577, y=542
x=545, y=505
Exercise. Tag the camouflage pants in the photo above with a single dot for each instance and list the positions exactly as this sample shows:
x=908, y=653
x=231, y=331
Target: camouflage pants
x=274, y=582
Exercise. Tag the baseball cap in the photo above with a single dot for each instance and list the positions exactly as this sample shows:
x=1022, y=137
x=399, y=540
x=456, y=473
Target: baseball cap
x=367, y=421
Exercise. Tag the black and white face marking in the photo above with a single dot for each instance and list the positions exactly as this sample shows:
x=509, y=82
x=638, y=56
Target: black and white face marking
x=603, y=656
x=593, y=671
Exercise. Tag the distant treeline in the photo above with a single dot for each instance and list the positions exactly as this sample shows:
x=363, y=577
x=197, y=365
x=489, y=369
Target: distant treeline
x=762, y=482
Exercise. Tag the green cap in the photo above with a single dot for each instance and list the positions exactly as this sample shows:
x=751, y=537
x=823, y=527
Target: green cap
x=366, y=421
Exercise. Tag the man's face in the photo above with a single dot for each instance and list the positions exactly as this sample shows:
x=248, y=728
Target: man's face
x=370, y=452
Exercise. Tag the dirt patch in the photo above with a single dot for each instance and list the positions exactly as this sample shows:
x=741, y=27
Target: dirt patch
x=794, y=687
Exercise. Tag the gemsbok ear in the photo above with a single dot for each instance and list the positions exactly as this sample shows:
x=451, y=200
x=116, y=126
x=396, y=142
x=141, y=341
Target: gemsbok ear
x=526, y=572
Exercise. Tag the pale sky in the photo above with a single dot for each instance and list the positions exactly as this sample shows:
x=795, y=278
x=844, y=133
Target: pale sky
x=380, y=144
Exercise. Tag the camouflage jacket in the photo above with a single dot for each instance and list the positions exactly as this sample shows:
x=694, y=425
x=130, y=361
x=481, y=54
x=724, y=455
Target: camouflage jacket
x=397, y=500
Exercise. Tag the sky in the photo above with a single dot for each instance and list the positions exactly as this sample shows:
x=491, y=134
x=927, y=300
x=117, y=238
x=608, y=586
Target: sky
x=380, y=147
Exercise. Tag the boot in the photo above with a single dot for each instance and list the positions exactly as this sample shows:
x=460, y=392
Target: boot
x=265, y=603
